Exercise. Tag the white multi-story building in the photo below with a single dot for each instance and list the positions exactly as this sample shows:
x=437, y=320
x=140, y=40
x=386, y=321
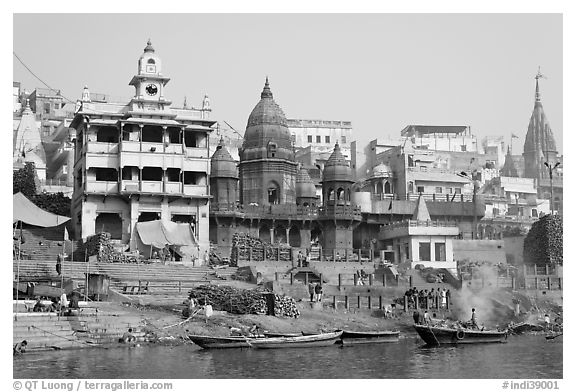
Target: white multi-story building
x=141, y=161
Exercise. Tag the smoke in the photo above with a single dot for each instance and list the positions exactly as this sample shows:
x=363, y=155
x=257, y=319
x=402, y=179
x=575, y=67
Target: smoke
x=481, y=293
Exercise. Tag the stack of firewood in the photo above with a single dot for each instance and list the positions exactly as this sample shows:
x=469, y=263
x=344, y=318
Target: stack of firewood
x=285, y=306
x=246, y=247
x=240, y=301
x=100, y=245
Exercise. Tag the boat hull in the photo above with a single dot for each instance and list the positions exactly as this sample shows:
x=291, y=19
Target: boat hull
x=435, y=336
x=352, y=337
x=320, y=340
x=208, y=342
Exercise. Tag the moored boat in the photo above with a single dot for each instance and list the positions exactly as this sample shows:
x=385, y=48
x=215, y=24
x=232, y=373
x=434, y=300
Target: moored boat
x=282, y=334
x=356, y=337
x=219, y=342
x=320, y=340
x=444, y=335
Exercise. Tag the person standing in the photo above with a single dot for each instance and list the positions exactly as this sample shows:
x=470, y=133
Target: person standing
x=59, y=264
x=416, y=317
x=473, y=319
x=427, y=318
x=318, y=292
x=547, y=322
x=311, y=290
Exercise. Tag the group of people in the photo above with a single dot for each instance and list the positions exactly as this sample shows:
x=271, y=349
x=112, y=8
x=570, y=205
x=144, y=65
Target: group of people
x=302, y=259
x=251, y=332
x=315, y=291
x=439, y=298
x=428, y=319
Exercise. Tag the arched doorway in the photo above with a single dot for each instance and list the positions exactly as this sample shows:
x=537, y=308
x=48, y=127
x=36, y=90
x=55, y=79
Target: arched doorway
x=379, y=188
x=295, y=239
x=109, y=223
x=264, y=234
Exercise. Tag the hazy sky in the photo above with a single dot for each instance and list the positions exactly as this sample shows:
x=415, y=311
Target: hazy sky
x=380, y=71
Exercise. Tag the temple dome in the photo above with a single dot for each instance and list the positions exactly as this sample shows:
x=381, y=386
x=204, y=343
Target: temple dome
x=222, y=164
x=336, y=167
x=304, y=185
x=382, y=170
x=267, y=125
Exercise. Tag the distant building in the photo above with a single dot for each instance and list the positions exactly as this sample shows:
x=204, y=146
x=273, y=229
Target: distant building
x=314, y=140
x=420, y=240
x=27, y=143
x=141, y=161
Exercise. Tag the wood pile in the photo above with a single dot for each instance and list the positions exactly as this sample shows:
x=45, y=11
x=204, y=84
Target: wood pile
x=240, y=301
x=100, y=245
x=245, y=247
x=544, y=242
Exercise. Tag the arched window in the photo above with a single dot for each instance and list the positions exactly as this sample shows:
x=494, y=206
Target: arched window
x=330, y=194
x=387, y=187
x=379, y=188
x=151, y=61
x=273, y=193
x=340, y=194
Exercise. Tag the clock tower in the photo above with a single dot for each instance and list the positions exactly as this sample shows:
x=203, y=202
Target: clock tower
x=149, y=83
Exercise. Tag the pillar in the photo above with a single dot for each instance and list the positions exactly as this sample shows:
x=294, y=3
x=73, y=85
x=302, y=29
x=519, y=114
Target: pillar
x=271, y=235
x=288, y=235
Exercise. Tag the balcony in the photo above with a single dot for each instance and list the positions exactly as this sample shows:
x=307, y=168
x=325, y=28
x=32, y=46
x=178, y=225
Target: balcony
x=340, y=212
x=277, y=210
x=195, y=190
x=173, y=149
x=101, y=186
x=152, y=147
x=151, y=186
x=130, y=186
x=197, y=152
x=173, y=187
x=102, y=148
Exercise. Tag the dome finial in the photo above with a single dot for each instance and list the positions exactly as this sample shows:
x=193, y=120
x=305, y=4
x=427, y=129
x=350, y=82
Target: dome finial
x=149, y=47
x=266, y=92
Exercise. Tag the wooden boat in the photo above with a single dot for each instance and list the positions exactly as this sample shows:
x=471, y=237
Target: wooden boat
x=219, y=342
x=436, y=336
x=282, y=334
x=355, y=337
x=320, y=340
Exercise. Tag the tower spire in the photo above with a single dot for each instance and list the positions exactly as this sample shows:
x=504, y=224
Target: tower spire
x=266, y=92
x=537, y=77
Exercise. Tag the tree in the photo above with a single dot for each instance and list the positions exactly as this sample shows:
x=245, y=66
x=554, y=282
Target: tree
x=55, y=203
x=544, y=242
x=24, y=180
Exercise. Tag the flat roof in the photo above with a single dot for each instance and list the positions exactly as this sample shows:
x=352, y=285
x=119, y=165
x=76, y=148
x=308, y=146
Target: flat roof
x=411, y=130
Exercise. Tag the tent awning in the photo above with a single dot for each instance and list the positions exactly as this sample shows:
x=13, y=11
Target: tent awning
x=27, y=212
x=160, y=234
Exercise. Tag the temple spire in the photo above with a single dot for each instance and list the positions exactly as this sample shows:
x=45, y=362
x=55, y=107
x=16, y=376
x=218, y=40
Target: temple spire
x=538, y=76
x=266, y=92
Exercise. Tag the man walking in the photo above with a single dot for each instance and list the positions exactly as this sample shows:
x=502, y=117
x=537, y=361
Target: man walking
x=311, y=290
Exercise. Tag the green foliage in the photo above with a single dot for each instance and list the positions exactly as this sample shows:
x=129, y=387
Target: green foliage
x=24, y=180
x=55, y=203
x=544, y=242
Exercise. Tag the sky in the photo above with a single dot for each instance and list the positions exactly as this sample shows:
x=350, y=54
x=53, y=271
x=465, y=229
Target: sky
x=379, y=71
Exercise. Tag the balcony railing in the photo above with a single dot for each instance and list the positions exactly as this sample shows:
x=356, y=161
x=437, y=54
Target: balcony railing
x=416, y=223
x=275, y=209
x=102, y=186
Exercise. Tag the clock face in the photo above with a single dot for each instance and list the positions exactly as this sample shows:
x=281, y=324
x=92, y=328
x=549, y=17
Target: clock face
x=151, y=89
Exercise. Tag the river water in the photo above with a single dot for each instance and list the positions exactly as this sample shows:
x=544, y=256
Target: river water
x=531, y=357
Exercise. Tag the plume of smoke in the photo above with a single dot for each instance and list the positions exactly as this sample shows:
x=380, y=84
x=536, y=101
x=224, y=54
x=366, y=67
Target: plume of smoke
x=479, y=293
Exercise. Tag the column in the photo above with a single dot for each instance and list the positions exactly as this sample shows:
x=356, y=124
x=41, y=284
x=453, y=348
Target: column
x=271, y=235
x=288, y=235
x=165, y=138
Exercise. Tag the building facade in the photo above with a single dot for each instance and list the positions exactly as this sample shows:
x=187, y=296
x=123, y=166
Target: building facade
x=140, y=161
